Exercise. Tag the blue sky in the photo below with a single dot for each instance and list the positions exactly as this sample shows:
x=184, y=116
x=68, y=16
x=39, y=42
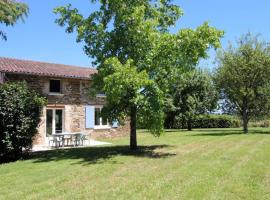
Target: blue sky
x=39, y=38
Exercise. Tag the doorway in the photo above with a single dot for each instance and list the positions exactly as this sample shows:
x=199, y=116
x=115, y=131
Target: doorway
x=54, y=121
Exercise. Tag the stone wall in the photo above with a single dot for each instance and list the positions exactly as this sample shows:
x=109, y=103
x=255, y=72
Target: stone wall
x=74, y=118
x=40, y=138
x=74, y=91
x=111, y=133
x=75, y=122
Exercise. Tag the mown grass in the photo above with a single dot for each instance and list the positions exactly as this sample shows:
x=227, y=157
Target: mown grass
x=203, y=164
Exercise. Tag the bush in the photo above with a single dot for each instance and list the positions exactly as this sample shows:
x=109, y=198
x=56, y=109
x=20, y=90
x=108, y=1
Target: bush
x=259, y=123
x=211, y=121
x=20, y=111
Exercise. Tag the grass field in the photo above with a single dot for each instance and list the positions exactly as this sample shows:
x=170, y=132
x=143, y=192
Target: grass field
x=203, y=164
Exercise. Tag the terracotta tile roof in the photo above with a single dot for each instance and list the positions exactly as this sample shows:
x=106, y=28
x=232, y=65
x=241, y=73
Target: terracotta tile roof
x=11, y=65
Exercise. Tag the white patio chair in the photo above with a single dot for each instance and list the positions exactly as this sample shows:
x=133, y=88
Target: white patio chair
x=79, y=139
x=57, y=141
x=83, y=138
x=76, y=140
x=67, y=139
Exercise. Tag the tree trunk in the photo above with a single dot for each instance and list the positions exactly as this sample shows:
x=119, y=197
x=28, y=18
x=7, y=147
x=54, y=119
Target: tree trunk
x=245, y=122
x=169, y=120
x=133, y=133
x=189, y=125
x=245, y=118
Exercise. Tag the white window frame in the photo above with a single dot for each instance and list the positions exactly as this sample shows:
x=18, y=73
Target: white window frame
x=101, y=126
x=55, y=93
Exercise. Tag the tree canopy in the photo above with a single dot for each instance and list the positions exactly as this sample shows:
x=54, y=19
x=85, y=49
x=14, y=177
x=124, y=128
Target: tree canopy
x=10, y=12
x=243, y=77
x=193, y=93
x=136, y=55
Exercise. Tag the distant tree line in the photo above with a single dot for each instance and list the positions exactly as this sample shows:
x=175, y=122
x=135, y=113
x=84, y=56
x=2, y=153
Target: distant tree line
x=240, y=82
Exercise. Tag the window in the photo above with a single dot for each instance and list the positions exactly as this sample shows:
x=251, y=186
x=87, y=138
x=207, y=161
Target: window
x=97, y=117
x=55, y=86
x=101, y=95
x=49, y=122
x=100, y=121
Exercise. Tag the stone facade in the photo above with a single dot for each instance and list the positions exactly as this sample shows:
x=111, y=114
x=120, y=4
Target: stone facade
x=72, y=101
x=73, y=91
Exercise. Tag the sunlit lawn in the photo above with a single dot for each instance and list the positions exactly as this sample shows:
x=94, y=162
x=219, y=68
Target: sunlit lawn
x=203, y=164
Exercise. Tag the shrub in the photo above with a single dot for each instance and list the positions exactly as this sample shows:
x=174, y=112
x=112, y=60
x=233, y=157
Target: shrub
x=20, y=111
x=259, y=123
x=211, y=121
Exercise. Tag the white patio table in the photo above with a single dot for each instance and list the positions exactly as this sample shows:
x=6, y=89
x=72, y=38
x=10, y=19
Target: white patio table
x=75, y=137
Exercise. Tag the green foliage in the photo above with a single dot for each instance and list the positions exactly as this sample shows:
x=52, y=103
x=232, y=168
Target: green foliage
x=259, y=123
x=10, y=12
x=217, y=121
x=136, y=23
x=19, y=117
x=243, y=78
x=209, y=121
x=125, y=87
x=193, y=93
x=133, y=34
x=181, y=52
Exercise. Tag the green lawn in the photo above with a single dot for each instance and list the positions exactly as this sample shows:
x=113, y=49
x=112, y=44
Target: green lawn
x=203, y=164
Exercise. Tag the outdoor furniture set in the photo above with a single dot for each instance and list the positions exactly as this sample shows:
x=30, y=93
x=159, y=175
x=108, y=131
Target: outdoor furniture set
x=68, y=139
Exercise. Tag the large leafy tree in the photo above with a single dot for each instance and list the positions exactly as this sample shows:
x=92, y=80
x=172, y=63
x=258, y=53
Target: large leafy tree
x=243, y=78
x=136, y=56
x=20, y=110
x=193, y=93
x=10, y=12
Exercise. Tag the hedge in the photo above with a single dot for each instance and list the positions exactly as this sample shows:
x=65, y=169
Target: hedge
x=211, y=121
x=259, y=123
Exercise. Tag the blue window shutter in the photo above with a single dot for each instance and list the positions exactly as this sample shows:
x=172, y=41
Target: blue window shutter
x=115, y=124
x=89, y=117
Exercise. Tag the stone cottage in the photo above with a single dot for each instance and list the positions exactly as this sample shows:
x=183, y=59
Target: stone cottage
x=69, y=108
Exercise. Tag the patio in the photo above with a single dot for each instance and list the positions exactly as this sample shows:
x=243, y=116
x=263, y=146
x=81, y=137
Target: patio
x=68, y=140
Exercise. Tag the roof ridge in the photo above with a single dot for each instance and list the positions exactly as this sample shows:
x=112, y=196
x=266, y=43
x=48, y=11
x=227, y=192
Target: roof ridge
x=43, y=62
x=14, y=65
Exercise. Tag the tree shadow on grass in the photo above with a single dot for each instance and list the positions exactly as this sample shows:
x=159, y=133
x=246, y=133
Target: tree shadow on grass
x=175, y=130
x=224, y=132
x=96, y=155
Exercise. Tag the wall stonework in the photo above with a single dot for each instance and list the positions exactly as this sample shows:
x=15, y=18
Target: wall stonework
x=111, y=133
x=75, y=122
x=74, y=118
x=73, y=99
x=41, y=137
x=73, y=91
